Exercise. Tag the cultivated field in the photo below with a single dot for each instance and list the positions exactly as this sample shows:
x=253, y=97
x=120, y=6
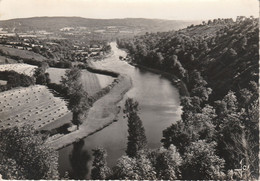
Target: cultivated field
x=90, y=81
x=23, y=54
x=19, y=68
x=34, y=105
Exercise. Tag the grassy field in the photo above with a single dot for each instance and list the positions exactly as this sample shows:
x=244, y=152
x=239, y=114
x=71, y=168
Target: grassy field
x=19, y=68
x=23, y=54
x=90, y=81
x=104, y=80
x=4, y=60
x=34, y=105
x=55, y=74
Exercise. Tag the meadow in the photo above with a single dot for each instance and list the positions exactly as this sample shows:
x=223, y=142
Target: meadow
x=91, y=82
x=21, y=54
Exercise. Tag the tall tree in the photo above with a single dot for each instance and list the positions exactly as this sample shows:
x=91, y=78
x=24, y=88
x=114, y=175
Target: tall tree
x=71, y=80
x=78, y=97
x=23, y=155
x=136, y=138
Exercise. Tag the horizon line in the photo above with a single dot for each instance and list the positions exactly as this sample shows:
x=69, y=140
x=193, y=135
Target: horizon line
x=116, y=18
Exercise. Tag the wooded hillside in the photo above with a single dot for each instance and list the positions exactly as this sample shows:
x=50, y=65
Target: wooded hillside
x=218, y=61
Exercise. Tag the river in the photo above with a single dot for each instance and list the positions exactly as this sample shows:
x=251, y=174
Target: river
x=159, y=107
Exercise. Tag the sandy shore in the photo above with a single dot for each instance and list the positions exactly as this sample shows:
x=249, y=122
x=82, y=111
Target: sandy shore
x=103, y=112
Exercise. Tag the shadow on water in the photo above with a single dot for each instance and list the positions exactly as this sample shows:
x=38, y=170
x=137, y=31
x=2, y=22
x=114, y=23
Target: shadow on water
x=160, y=107
x=78, y=161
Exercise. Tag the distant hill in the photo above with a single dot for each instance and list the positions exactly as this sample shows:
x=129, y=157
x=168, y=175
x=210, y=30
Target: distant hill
x=56, y=23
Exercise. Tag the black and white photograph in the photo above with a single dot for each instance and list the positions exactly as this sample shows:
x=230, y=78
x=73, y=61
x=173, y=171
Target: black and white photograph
x=129, y=90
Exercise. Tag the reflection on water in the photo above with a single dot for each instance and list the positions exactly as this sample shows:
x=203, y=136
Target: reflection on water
x=78, y=161
x=159, y=108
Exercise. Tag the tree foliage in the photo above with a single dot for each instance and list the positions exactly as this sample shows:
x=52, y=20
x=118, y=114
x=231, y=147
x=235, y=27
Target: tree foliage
x=136, y=138
x=201, y=162
x=41, y=76
x=100, y=170
x=23, y=155
x=79, y=101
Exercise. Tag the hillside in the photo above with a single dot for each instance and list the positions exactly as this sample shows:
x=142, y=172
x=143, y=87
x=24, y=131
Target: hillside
x=225, y=53
x=56, y=23
x=21, y=54
x=219, y=62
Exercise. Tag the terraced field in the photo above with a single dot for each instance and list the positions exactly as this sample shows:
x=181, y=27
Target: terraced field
x=34, y=105
x=19, y=68
x=90, y=81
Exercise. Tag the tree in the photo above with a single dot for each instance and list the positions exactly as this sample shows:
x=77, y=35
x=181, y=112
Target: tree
x=15, y=79
x=40, y=75
x=24, y=155
x=138, y=168
x=136, y=138
x=78, y=104
x=201, y=162
x=168, y=164
x=100, y=170
x=190, y=105
x=78, y=97
x=178, y=135
x=71, y=80
x=196, y=80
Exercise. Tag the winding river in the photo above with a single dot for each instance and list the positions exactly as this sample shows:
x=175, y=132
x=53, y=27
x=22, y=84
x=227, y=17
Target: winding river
x=159, y=107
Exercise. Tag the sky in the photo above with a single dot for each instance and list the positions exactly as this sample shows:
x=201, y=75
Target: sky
x=106, y=9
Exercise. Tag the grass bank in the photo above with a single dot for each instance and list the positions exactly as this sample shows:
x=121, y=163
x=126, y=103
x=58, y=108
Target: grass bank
x=103, y=112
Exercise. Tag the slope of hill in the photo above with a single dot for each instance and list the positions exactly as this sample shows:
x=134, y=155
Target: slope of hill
x=225, y=53
x=56, y=23
x=219, y=61
x=21, y=54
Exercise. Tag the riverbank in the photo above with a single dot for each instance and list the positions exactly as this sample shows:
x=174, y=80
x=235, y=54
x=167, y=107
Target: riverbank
x=103, y=112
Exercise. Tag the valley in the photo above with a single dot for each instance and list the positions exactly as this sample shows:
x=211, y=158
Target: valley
x=151, y=99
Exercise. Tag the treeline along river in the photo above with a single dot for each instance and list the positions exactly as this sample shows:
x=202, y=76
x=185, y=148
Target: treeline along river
x=159, y=107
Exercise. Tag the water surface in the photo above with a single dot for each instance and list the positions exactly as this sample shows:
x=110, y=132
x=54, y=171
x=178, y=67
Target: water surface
x=159, y=107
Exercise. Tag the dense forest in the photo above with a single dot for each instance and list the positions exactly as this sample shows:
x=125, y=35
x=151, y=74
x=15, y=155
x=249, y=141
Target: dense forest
x=217, y=136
